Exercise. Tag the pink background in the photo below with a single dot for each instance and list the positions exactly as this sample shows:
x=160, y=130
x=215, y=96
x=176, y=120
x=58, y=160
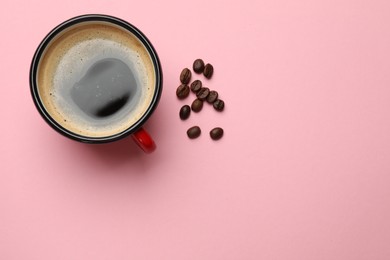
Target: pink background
x=303, y=171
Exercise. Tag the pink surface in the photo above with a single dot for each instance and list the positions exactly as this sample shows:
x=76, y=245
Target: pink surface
x=303, y=171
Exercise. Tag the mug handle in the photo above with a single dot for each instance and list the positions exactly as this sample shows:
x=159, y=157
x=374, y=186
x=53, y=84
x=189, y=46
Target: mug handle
x=144, y=141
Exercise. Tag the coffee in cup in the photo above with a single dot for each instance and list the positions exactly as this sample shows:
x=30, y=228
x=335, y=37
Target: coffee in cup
x=96, y=78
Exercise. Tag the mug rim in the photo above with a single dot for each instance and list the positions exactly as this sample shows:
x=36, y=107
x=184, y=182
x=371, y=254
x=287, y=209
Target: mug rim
x=98, y=18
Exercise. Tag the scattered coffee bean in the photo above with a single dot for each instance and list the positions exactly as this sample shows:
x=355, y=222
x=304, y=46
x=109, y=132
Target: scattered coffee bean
x=213, y=95
x=197, y=105
x=203, y=93
x=196, y=86
x=193, y=132
x=185, y=112
x=216, y=133
x=219, y=105
x=208, y=71
x=198, y=66
x=185, y=76
x=182, y=91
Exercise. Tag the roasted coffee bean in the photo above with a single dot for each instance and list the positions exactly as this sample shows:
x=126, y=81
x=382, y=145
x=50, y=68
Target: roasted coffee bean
x=182, y=91
x=219, y=105
x=197, y=105
x=203, y=93
x=193, y=132
x=185, y=112
x=213, y=95
x=185, y=76
x=196, y=86
x=208, y=70
x=216, y=133
x=198, y=66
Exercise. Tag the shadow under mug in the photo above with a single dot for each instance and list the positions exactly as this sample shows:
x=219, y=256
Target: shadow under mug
x=138, y=133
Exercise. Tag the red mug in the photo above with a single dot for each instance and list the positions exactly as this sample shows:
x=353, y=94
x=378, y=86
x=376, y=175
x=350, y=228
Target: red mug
x=70, y=79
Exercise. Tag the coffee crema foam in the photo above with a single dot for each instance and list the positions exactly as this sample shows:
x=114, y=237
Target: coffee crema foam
x=66, y=61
